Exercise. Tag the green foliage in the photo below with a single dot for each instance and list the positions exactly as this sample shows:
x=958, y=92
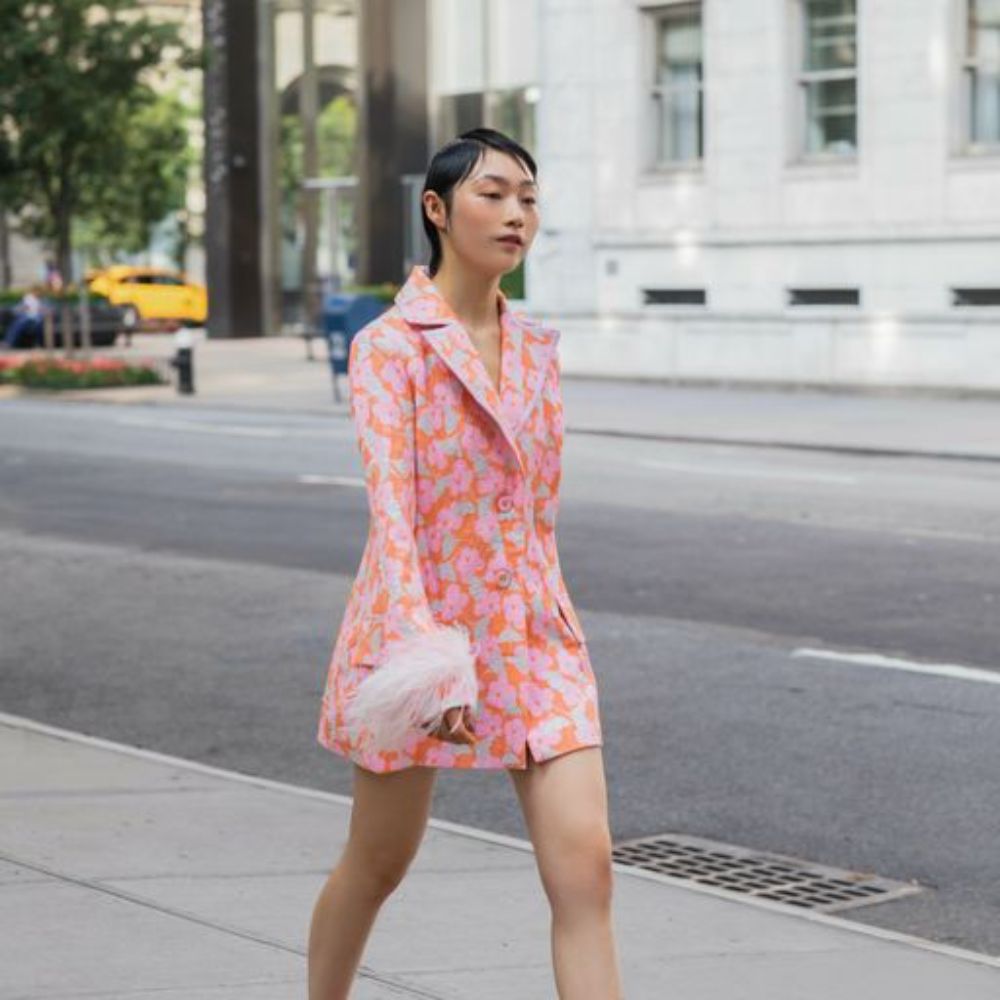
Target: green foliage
x=72, y=81
x=336, y=128
x=512, y=283
x=155, y=162
x=386, y=291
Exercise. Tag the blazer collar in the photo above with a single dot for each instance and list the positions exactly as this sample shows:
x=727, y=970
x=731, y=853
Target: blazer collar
x=527, y=348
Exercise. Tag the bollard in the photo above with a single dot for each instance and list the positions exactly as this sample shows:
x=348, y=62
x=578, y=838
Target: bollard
x=183, y=361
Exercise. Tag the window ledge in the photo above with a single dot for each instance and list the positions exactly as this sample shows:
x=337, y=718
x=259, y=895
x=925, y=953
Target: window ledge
x=667, y=173
x=822, y=168
x=976, y=158
x=684, y=309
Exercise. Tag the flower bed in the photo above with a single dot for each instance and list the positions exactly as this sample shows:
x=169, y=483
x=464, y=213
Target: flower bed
x=66, y=373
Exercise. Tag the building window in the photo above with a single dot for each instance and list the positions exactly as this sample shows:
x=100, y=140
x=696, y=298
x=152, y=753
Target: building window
x=514, y=114
x=677, y=86
x=824, y=296
x=457, y=113
x=511, y=111
x=982, y=72
x=828, y=77
x=674, y=297
x=975, y=297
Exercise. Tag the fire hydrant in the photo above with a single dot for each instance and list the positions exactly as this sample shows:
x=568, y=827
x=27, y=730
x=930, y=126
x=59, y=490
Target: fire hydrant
x=183, y=361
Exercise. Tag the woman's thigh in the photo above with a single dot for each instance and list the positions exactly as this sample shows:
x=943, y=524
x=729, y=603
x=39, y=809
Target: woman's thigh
x=564, y=801
x=388, y=818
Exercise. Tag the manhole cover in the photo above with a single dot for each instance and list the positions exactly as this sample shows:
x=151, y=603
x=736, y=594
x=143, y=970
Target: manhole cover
x=758, y=873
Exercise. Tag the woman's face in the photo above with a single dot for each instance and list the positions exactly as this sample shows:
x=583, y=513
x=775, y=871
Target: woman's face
x=497, y=201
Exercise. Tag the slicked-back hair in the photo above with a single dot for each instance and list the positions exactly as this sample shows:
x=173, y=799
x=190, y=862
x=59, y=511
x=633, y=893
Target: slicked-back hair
x=452, y=163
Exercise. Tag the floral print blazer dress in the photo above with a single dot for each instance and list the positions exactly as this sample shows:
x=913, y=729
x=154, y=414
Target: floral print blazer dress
x=460, y=559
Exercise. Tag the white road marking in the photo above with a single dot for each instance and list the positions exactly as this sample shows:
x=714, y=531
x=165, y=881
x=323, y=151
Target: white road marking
x=237, y=430
x=948, y=536
x=161, y=423
x=747, y=471
x=952, y=670
x=317, y=480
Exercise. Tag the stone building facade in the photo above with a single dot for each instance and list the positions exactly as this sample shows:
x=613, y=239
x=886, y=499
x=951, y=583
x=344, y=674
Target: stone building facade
x=801, y=191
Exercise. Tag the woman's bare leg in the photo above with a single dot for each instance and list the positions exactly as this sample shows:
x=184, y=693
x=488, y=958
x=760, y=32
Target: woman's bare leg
x=564, y=801
x=388, y=820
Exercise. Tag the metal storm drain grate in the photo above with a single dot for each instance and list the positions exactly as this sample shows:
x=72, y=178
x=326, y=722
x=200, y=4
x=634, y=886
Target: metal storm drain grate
x=760, y=874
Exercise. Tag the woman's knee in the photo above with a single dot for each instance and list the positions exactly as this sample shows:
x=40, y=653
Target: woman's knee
x=378, y=869
x=582, y=872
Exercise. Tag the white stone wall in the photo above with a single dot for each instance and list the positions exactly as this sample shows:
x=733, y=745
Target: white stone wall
x=462, y=31
x=909, y=218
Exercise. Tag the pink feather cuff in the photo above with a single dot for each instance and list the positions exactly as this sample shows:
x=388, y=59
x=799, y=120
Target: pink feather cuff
x=422, y=675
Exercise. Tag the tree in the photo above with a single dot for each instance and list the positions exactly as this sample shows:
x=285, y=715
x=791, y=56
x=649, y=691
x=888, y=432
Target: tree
x=156, y=159
x=72, y=79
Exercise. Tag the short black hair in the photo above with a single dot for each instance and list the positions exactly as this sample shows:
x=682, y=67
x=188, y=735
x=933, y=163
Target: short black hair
x=453, y=162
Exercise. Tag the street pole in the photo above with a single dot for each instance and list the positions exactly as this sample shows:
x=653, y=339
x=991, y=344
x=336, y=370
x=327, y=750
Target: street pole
x=5, y=268
x=231, y=166
x=309, y=112
x=86, y=341
x=269, y=142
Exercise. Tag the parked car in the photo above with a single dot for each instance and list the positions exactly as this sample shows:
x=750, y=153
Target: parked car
x=106, y=322
x=152, y=296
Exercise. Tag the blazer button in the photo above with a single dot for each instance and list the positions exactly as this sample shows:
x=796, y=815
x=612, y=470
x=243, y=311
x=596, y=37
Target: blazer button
x=505, y=503
x=504, y=577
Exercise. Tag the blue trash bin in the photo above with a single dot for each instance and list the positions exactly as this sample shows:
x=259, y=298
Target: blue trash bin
x=343, y=315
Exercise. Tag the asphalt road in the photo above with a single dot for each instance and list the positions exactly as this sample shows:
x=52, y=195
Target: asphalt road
x=174, y=577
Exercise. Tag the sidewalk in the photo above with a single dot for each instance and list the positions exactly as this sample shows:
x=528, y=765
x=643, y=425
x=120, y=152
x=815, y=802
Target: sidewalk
x=273, y=373
x=128, y=875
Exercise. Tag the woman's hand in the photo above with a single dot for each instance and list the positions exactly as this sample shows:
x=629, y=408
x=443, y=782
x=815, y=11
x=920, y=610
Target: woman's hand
x=456, y=726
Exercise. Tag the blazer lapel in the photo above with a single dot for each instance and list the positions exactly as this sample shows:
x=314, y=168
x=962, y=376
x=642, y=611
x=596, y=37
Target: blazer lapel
x=526, y=351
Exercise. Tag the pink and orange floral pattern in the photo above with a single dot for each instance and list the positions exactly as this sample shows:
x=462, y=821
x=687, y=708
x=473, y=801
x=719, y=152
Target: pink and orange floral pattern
x=463, y=491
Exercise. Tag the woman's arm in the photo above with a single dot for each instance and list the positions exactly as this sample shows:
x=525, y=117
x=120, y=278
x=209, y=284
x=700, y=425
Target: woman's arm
x=421, y=667
x=383, y=411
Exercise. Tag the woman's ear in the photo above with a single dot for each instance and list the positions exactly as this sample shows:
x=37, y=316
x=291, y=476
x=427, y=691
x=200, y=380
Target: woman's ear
x=435, y=209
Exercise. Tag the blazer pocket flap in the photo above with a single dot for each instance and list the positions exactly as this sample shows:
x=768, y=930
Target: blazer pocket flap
x=569, y=619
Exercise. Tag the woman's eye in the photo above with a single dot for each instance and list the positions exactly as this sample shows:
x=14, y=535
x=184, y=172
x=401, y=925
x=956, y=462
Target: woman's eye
x=531, y=201
x=491, y=196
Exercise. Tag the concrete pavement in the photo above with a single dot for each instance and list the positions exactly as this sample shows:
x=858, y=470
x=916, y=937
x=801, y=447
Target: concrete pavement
x=274, y=373
x=129, y=875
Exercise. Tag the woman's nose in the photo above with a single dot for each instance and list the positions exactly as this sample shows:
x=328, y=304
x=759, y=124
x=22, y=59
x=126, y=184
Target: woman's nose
x=515, y=212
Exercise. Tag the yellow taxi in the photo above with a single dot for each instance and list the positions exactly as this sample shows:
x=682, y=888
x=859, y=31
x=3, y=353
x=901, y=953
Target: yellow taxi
x=151, y=296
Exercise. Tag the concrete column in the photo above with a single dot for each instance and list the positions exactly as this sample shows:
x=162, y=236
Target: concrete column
x=394, y=127
x=232, y=170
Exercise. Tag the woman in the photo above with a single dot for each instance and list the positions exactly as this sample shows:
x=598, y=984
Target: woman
x=460, y=646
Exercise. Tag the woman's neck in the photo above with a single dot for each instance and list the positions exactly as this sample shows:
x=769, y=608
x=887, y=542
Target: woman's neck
x=472, y=297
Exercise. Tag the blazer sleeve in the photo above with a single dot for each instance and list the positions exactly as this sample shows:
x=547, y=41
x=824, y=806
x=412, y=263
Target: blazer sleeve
x=382, y=408
x=420, y=666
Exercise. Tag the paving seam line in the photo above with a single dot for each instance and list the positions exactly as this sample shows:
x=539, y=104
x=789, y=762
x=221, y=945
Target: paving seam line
x=193, y=918
x=486, y=836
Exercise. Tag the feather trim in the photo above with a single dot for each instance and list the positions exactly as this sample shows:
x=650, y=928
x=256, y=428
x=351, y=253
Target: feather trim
x=421, y=675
